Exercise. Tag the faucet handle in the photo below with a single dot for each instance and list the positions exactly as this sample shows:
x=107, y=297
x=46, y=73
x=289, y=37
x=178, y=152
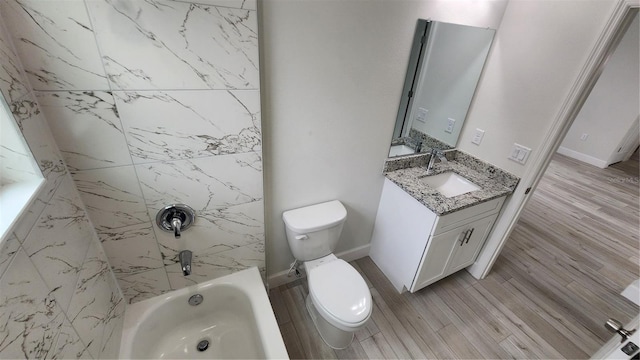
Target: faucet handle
x=176, y=223
x=440, y=154
x=175, y=218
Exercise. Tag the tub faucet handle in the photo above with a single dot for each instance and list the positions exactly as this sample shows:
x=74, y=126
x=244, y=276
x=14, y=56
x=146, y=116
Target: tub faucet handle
x=175, y=218
x=176, y=223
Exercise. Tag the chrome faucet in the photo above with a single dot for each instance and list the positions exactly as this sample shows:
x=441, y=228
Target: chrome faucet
x=185, y=262
x=176, y=224
x=418, y=146
x=176, y=218
x=435, y=153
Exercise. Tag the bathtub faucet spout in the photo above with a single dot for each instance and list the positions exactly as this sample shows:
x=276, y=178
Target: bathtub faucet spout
x=185, y=262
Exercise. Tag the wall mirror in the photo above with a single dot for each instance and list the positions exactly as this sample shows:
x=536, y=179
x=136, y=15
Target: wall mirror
x=444, y=68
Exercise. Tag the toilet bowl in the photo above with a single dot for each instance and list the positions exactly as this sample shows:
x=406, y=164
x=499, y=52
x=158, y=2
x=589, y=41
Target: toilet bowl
x=339, y=301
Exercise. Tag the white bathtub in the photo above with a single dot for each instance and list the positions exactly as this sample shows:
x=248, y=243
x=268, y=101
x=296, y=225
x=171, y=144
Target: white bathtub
x=235, y=317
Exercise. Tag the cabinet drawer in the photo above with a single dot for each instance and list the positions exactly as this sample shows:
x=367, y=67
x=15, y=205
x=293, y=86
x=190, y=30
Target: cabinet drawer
x=459, y=218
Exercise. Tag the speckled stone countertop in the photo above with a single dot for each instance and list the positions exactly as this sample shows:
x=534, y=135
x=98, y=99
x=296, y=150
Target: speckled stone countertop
x=494, y=182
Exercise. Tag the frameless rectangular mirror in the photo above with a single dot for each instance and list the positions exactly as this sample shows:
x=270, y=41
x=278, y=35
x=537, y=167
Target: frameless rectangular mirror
x=444, y=68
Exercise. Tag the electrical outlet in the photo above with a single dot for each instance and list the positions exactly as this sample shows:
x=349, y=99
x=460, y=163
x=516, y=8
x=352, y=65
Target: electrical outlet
x=450, y=123
x=421, y=115
x=584, y=137
x=477, y=137
x=519, y=153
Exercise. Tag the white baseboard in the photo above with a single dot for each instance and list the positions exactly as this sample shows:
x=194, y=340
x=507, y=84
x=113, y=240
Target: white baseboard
x=354, y=254
x=582, y=157
x=281, y=278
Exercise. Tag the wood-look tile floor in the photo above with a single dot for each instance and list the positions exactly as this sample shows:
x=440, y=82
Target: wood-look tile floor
x=557, y=281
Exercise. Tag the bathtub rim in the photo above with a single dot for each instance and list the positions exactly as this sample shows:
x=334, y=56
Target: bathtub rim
x=248, y=280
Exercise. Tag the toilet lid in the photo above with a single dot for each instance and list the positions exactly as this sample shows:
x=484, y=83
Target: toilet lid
x=340, y=290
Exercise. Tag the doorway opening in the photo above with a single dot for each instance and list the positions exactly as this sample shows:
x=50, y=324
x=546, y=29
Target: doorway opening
x=575, y=247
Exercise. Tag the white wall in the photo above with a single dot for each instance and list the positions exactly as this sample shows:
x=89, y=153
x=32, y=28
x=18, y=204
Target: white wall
x=540, y=52
x=612, y=107
x=537, y=55
x=332, y=73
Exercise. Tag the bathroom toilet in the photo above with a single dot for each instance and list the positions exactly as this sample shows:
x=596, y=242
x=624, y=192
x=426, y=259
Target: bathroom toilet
x=339, y=301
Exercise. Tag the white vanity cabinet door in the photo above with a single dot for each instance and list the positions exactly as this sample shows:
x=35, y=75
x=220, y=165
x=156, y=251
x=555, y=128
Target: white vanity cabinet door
x=451, y=251
x=466, y=253
x=440, y=249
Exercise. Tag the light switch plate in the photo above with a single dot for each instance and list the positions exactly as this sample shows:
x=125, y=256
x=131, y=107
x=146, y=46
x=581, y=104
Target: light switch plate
x=519, y=153
x=477, y=137
x=450, y=123
x=421, y=115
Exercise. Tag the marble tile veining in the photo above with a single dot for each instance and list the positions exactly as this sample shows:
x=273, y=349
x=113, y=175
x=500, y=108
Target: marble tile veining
x=75, y=116
x=93, y=299
x=29, y=314
x=58, y=242
x=31, y=216
x=113, y=329
x=69, y=345
x=144, y=285
x=140, y=40
x=17, y=162
x=132, y=249
x=203, y=183
x=238, y=4
x=112, y=196
x=173, y=125
x=8, y=249
x=56, y=44
x=12, y=84
x=34, y=128
x=41, y=264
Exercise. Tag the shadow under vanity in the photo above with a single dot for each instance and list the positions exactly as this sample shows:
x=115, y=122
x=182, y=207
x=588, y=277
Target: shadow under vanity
x=421, y=235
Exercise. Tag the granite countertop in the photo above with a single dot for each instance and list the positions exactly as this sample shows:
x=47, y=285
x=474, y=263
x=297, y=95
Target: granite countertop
x=494, y=183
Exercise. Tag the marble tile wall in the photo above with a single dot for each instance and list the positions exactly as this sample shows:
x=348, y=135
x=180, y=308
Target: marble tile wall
x=153, y=103
x=17, y=162
x=58, y=295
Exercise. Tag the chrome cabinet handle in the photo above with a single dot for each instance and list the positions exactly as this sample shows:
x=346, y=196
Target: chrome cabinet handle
x=469, y=236
x=462, y=239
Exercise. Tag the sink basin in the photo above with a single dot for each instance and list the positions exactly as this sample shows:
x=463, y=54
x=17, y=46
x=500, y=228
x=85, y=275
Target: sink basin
x=397, y=150
x=450, y=184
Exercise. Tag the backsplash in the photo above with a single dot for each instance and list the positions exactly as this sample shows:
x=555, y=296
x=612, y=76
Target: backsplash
x=153, y=103
x=58, y=295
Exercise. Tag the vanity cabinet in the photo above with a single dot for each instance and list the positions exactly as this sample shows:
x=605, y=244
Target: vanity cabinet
x=415, y=247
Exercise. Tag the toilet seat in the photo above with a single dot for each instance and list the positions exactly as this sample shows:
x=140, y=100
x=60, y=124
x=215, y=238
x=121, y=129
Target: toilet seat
x=340, y=294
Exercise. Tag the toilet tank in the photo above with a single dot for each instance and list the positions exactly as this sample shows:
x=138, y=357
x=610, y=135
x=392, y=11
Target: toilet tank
x=313, y=231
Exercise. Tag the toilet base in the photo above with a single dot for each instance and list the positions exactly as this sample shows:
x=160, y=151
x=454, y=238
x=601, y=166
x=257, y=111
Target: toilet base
x=331, y=335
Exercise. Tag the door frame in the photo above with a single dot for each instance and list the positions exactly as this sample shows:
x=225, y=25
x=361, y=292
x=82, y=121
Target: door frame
x=614, y=30
x=630, y=143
